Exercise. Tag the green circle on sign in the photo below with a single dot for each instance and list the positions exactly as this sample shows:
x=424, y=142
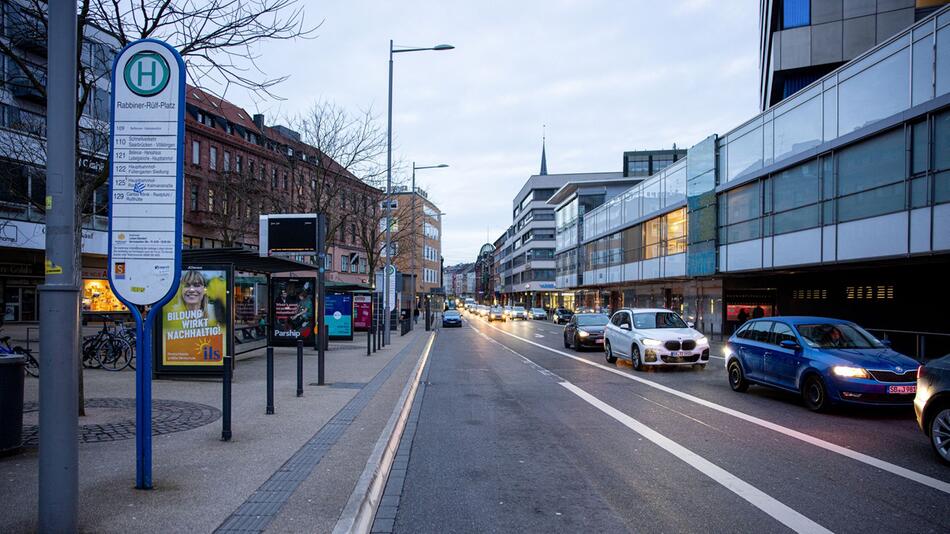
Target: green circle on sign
x=146, y=73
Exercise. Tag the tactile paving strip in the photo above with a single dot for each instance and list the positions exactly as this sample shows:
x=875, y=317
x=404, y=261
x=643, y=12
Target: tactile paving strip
x=264, y=504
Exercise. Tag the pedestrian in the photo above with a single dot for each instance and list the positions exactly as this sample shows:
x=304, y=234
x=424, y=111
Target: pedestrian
x=415, y=316
x=758, y=312
x=743, y=316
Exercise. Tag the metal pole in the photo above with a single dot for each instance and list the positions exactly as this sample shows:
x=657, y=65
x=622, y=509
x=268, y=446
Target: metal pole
x=270, y=380
x=369, y=333
x=415, y=277
x=389, y=186
x=321, y=304
x=299, y=367
x=59, y=295
x=226, y=400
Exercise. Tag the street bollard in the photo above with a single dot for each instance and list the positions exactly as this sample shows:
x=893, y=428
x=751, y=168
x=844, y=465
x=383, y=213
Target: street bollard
x=226, y=400
x=270, y=380
x=320, y=358
x=299, y=367
x=367, y=341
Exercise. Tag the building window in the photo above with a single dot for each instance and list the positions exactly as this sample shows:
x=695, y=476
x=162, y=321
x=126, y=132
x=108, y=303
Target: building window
x=227, y=161
x=213, y=158
x=193, y=199
x=238, y=163
x=195, y=153
x=210, y=200
x=344, y=263
x=796, y=13
x=871, y=177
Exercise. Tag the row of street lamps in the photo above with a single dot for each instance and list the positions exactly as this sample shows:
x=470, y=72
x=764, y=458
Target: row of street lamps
x=389, y=185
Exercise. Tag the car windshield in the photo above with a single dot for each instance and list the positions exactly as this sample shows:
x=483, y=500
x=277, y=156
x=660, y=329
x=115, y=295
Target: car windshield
x=496, y=310
x=537, y=310
x=518, y=308
x=650, y=320
x=837, y=336
x=593, y=319
x=451, y=313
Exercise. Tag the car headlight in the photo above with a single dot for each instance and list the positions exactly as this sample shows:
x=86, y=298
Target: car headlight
x=702, y=341
x=652, y=342
x=726, y=351
x=583, y=333
x=849, y=372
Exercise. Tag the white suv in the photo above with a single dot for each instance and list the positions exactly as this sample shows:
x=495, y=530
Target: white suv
x=653, y=336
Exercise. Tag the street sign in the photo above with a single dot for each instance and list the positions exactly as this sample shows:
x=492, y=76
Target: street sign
x=147, y=141
x=391, y=298
x=145, y=179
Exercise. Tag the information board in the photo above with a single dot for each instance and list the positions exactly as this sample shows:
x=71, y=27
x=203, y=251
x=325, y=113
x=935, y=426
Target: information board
x=145, y=179
x=339, y=315
x=362, y=312
x=288, y=234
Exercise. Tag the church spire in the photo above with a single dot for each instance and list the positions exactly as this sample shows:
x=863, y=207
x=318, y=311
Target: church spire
x=544, y=159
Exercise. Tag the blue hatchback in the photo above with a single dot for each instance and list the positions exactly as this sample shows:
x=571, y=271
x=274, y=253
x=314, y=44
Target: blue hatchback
x=827, y=361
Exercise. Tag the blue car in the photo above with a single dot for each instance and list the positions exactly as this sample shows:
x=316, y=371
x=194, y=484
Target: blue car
x=827, y=361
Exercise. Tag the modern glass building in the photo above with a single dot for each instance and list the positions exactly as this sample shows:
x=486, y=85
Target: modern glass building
x=834, y=202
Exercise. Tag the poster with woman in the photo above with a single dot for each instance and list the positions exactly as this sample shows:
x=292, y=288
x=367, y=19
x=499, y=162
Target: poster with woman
x=196, y=323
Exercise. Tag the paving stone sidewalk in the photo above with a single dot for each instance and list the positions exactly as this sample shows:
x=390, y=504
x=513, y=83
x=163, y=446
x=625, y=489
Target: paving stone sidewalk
x=201, y=481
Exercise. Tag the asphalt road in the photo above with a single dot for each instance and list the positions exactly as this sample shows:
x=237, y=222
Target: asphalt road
x=517, y=433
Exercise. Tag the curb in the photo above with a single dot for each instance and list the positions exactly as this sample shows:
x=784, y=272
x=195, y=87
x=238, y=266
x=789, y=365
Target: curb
x=360, y=509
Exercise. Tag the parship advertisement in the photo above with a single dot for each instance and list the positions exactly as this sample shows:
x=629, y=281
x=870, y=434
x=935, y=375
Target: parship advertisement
x=196, y=322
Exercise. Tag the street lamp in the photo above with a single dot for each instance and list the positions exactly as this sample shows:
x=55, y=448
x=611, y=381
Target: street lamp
x=412, y=306
x=389, y=177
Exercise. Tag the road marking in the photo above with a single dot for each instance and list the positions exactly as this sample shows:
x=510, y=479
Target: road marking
x=539, y=335
x=801, y=436
x=754, y=496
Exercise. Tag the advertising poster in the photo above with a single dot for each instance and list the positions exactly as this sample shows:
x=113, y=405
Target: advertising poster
x=293, y=310
x=362, y=312
x=196, y=322
x=339, y=315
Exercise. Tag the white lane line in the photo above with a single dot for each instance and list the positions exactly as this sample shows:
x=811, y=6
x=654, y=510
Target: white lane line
x=756, y=497
x=807, y=438
x=539, y=335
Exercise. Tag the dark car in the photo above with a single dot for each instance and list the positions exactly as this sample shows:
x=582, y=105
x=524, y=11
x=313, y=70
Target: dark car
x=932, y=405
x=451, y=318
x=827, y=361
x=562, y=315
x=585, y=330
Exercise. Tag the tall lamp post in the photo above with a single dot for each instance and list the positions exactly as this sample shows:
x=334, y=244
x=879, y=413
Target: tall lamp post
x=389, y=178
x=415, y=282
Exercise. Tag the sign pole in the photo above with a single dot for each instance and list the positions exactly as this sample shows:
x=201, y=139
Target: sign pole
x=321, y=290
x=147, y=142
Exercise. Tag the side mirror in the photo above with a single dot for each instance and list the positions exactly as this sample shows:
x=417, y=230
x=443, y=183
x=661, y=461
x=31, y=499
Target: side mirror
x=690, y=324
x=625, y=326
x=885, y=342
x=788, y=344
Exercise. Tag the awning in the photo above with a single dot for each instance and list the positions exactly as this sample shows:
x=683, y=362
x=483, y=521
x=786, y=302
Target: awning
x=244, y=259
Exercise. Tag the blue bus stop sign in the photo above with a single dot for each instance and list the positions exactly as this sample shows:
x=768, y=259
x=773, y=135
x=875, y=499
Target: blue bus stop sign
x=147, y=140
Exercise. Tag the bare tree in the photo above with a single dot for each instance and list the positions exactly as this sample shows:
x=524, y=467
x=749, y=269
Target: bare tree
x=234, y=204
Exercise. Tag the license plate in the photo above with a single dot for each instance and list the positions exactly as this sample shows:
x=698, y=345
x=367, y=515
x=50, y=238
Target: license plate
x=681, y=353
x=902, y=389
x=598, y=341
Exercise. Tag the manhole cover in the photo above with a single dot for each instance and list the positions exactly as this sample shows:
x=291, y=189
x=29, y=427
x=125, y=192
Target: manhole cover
x=113, y=419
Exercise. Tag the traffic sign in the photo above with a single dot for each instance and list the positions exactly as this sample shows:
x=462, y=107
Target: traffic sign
x=147, y=140
x=145, y=179
x=391, y=297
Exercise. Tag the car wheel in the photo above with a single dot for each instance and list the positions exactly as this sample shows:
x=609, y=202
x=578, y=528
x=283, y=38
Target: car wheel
x=737, y=379
x=566, y=344
x=609, y=354
x=635, y=359
x=577, y=343
x=815, y=394
x=940, y=433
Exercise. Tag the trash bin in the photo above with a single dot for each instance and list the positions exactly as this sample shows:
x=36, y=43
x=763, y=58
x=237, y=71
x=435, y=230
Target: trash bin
x=11, y=402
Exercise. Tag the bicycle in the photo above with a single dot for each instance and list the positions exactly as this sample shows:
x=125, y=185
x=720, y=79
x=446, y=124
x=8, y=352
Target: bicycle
x=32, y=367
x=107, y=350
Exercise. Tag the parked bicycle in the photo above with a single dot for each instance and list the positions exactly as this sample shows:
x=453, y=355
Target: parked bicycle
x=32, y=366
x=108, y=349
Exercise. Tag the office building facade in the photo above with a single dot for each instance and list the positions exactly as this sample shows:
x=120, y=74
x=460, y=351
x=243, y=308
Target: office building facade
x=803, y=40
x=834, y=202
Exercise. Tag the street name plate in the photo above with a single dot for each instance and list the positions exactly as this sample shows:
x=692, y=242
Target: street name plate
x=145, y=178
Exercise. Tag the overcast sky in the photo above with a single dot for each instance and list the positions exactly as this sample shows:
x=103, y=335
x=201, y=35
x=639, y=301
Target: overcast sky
x=604, y=76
